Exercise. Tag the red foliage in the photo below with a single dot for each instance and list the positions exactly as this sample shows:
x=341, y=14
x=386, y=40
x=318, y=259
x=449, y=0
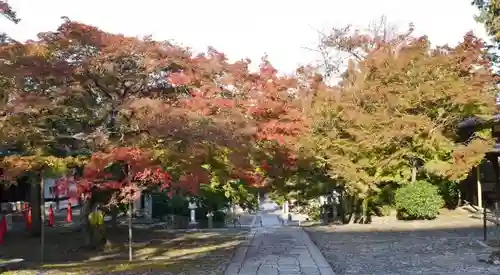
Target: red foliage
x=200, y=101
x=140, y=172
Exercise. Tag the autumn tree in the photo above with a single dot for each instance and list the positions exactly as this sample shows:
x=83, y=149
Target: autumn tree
x=35, y=148
x=336, y=47
x=204, y=119
x=398, y=108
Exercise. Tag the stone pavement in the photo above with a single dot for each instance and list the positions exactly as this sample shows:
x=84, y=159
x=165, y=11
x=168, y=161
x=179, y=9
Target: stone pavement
x=274, y=249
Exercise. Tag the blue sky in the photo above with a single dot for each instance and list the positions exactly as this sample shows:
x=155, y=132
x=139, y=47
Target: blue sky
x=282, y=29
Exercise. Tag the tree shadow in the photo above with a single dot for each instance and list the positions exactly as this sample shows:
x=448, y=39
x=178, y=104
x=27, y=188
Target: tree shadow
x=153, y=250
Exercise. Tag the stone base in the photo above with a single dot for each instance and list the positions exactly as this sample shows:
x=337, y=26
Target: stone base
x=11, y=265
x=193, y=225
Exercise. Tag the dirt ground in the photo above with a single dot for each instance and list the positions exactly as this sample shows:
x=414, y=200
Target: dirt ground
x=446, y=245
x=155, y=252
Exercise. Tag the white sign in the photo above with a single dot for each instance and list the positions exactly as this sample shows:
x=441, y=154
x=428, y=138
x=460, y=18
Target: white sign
x=50, y=193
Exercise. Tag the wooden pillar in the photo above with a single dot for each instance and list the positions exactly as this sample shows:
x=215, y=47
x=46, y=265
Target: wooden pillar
x=479, y=187
x=497, y=194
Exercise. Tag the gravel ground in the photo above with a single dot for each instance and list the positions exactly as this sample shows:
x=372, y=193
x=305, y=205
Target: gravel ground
x=386, y=247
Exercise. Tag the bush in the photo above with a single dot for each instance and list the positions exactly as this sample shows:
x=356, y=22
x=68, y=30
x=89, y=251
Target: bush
x=382, y=203
x=314, y=212
x=386, y=195
x=384, y=210
x=418, y=200
x=451, y=194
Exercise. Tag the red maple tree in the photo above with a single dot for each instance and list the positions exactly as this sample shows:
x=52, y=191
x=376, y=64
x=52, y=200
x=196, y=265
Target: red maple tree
x=137, y=172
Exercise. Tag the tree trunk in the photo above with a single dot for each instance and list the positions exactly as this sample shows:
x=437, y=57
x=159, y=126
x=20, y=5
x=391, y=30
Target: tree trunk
x=84, y=216
x=358, y=210
x=414, y=172
x=42, y=211
x=36, y=204
x=114, y=211
x=129, y=214
x=365, y=208
x=346, y=208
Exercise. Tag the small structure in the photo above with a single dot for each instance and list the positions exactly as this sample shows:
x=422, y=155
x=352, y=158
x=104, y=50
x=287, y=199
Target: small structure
x=210, y=216
x=486, y=176
x=482, y=186
x=61, y=198
x=143, y=206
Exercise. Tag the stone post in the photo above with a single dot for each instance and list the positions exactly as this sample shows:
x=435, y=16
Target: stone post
x=192, y=207
x=285, y=207
x=210, y=216
x=335, y=203
x=136, y=205
x=148, y=204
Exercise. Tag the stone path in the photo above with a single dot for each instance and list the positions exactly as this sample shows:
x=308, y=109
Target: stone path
x=274, y=249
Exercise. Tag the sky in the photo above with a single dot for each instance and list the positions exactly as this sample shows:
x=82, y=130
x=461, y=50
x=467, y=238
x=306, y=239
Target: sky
x=281, y=29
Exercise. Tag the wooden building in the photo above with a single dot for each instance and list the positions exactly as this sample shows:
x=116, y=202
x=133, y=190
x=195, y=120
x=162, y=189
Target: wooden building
x=482, y=186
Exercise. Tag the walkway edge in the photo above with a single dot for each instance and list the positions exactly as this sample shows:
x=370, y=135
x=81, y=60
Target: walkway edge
x=323, y=265
x=240, y=254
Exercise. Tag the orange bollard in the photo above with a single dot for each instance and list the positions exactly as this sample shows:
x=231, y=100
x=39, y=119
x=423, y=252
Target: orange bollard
x=51, y=217
x=69, y=215
x=28, y=219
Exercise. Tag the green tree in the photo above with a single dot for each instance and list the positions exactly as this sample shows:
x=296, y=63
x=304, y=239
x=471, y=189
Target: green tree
x=393, y=117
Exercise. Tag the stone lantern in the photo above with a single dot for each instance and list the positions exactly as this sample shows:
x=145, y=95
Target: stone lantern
x=192, y=207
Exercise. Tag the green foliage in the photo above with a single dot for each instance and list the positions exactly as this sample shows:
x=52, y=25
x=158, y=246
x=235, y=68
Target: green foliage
x=314, y=212
x=449, y=191
x=385, y=196
x=386, y=114
x=278, y=198
x=382, y=202
x=164, y=205
x=418, y=200
x=385, y=210
x=211, y=198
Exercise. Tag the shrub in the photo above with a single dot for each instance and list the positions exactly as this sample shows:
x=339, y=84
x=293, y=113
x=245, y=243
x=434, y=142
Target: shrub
x=314, y=213
x=418, y=200
x=451, y=194
x=382, y=203
x=384, y=210
x=386, y=195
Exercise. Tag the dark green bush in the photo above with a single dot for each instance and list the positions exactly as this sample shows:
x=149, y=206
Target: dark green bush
x=382, y=202
x=384, y=210
x=418, y=200
x=451, y=194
